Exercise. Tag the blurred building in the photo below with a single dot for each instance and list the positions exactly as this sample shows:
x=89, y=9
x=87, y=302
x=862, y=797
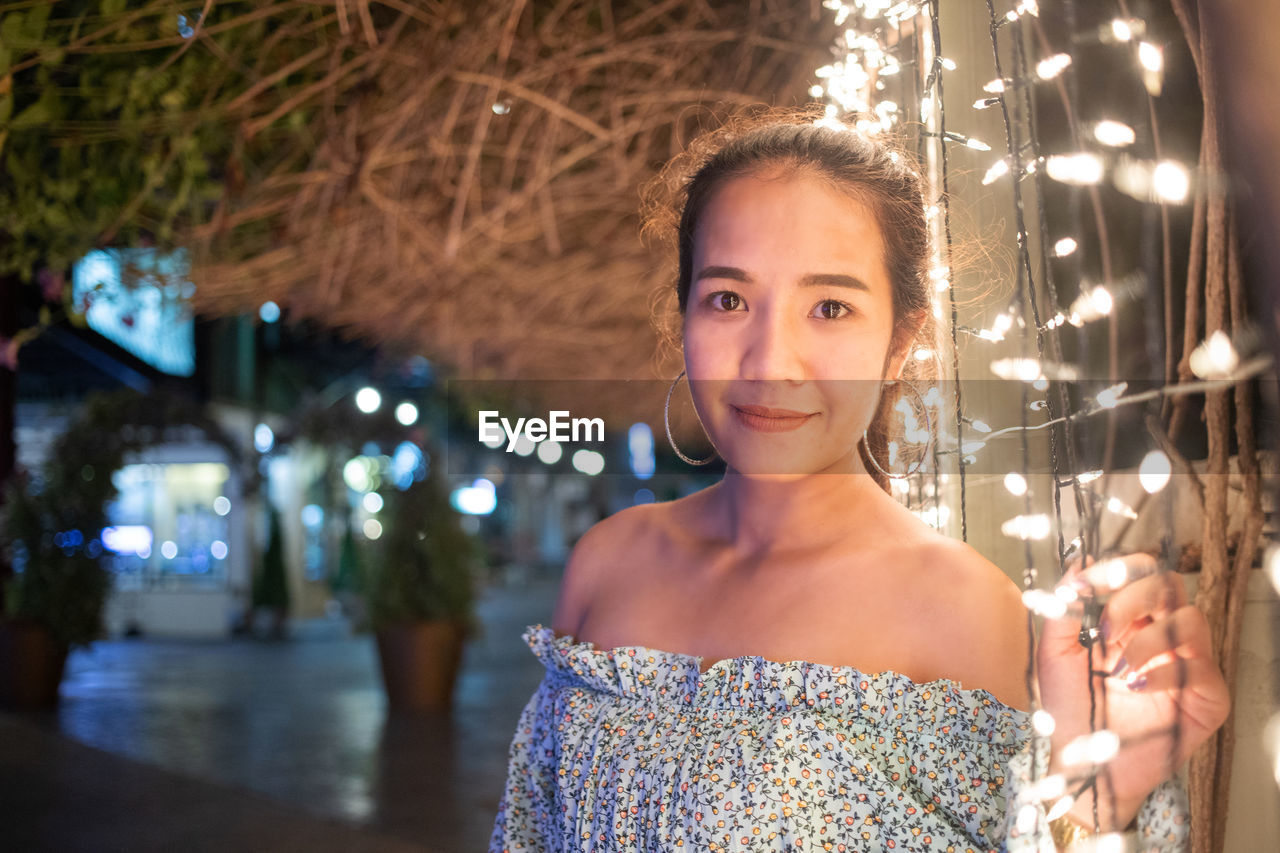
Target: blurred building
x=186, y=538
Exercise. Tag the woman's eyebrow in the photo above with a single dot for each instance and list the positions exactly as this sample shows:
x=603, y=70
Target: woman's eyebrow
x=810, y=280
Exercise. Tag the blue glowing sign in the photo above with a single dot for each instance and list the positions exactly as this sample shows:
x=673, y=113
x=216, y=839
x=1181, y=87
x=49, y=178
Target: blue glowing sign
x=139, y=299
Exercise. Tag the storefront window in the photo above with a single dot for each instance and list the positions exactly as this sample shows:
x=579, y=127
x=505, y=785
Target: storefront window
x=170, y=526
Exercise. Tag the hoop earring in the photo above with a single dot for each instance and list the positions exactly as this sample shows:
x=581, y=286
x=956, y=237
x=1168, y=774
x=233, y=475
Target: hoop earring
x=666, y=421
x=928, y=425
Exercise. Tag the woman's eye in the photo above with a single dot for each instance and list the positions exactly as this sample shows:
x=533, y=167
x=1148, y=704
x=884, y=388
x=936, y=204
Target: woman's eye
x=832, y=309
x=726, y=300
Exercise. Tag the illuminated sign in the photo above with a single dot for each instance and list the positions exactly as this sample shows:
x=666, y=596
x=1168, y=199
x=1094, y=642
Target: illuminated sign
x=139, y=299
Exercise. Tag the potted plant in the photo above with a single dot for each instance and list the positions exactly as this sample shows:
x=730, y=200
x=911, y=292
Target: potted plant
x=271, y=583
x=421, y=595
x=56, y=597
x=50, y=524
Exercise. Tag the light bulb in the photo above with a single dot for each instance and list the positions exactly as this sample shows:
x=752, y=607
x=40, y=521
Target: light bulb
x=1027, y=527
x=1026, y=369
x=1113, y=133
x=1043, y=722
x=1051, y=67
x=1044, y=603
x=1170, y=182
x=998, y=169
x=1083, y=168
x=1154, y=471
x=1151, y=56
x=1215, y=357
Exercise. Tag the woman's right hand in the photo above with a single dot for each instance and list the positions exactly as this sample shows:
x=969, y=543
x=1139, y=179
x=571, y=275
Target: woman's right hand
x=1158, y=647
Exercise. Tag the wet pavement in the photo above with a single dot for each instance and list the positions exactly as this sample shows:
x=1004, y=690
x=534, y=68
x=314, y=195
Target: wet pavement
x=255, y=745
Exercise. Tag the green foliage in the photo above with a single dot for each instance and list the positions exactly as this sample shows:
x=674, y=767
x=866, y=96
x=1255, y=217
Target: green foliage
x=115, y=128
x=350, y=575
x=97, y=144
x=62, y=585
x=63, y=589
x=271, y=586
x=424, y=564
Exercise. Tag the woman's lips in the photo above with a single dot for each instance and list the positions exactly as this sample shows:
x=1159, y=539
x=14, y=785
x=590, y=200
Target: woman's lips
x=763, y=419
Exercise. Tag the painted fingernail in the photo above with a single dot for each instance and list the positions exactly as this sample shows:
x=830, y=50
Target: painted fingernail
x=1136, y=683
x=1121, y=666
x=1104, y=625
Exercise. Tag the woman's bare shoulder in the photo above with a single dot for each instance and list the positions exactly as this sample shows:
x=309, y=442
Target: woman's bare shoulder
x=960, y=562
x=625, y=534
x=980, y=612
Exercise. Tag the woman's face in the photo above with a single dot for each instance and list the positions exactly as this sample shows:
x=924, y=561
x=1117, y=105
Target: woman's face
x=790, y=308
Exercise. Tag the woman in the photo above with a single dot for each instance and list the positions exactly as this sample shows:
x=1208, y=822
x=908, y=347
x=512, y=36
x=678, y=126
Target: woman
x=790, y=659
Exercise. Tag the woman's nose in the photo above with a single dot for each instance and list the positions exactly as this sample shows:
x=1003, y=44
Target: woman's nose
x=772, y=349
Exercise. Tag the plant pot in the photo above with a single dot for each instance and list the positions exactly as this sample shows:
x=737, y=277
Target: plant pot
x=420, y=662
x=31, y=665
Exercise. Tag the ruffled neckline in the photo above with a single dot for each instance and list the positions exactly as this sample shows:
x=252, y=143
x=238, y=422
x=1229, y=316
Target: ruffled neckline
x=751, y=682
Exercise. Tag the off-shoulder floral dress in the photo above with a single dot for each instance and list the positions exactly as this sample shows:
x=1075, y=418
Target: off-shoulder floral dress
x=635, y=749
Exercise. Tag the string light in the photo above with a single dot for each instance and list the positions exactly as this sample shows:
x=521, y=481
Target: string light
x=1215, y=357
x=1151, y=57
x=1047, y=69
x=1001, y=323
x=1108, y=397
x=1095, y=748
x=1090, y=305
x=1165, y=181
x=1154, y=471
x=1032, y=369
x=1061, y=807
x=1119, y=507
x=1121, y=30
x=1035, y=526
x=1027, y=817
x=1151, y=60
x=1048, y=788
x=865, y=64
x=1171, y=181
x=1043, y=721
x=1113, y=133
x=1064, y=247
x=998, y=170
x=1025, y=369
x=968, y=141
x=1039, y=601
x=1028, y=7
x=940, y=273
x=978, y=424
x=1082, y=168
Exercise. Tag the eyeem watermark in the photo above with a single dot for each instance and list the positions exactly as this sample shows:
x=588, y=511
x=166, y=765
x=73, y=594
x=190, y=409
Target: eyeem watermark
x=558, y=427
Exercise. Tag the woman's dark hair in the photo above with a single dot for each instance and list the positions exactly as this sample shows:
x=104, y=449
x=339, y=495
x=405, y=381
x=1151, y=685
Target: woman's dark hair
x=877, y=173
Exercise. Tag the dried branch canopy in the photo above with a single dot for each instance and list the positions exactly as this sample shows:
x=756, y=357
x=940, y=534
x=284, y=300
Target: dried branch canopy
x=471, y=183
